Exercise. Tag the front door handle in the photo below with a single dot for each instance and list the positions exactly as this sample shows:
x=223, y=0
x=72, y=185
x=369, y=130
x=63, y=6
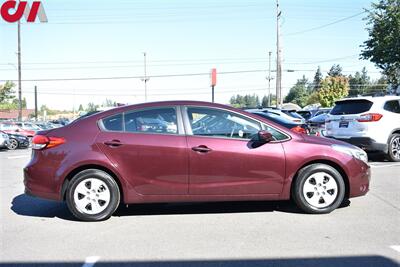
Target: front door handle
x=113, y=143
x=201, y=149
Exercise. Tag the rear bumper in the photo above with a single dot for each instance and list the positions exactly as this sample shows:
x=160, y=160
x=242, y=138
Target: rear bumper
x=366, y=143
x=39, y=187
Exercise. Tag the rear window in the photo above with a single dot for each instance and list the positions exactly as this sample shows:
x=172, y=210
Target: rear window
x=305, y=114
x=351, y=107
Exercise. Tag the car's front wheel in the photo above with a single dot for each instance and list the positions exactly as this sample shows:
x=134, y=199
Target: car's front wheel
x=394, y=148
x=12, y=144
x=92, y=195
x=318, y=189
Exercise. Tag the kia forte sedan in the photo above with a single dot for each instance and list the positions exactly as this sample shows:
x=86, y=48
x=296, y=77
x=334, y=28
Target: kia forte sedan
x=189, y=151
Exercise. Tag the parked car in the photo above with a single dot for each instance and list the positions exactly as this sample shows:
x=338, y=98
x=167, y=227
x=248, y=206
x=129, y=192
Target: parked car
x=3, y=140
x=317, y=124
x=284, y=114
x=96, y=163
x=300, y=128
x=12, y=127
x=309, y=114
x=372, y=123
x=46, y=125
x=17, y=141
x=294, y=114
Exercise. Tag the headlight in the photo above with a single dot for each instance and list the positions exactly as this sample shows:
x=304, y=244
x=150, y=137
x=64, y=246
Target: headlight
x=352, y=151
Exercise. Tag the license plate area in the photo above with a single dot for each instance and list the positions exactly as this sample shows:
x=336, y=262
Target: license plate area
x=343, y=124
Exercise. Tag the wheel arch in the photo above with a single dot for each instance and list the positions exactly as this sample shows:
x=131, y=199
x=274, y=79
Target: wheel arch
x=77, y=170
x=329, y=163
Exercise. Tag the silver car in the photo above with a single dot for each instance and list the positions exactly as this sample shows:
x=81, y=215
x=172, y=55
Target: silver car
x=3, y=140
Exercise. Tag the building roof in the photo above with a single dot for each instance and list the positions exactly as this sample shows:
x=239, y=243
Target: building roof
x=13, y=114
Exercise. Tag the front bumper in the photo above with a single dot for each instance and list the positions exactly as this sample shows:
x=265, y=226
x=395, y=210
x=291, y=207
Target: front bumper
x=366, y=143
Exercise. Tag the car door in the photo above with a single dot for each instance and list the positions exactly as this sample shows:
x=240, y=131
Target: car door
x=149, y=149
x=222, y=160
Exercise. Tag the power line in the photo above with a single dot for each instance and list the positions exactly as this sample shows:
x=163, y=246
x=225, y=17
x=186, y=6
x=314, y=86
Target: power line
x=168, y=75
x=325, y=25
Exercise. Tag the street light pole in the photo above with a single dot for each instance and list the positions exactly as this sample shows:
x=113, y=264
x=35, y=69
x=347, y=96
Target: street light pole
x=19, y=74
x=269, y=80
x=145, y=79
x=278, y=59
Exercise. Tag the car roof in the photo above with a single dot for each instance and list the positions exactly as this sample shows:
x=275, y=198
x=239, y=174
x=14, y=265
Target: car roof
x=371, y=98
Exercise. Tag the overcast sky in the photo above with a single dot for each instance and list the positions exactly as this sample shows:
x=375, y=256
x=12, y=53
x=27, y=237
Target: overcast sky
x=93, y=38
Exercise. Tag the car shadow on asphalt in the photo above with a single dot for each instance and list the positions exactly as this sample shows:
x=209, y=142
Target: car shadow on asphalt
x=35, y=207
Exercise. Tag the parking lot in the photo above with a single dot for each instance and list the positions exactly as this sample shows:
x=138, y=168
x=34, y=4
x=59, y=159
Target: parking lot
x=365, y=233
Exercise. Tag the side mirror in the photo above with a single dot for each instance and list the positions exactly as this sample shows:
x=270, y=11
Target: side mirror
x=263, y=137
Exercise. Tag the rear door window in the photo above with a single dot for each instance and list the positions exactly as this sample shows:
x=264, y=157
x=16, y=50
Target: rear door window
x=157, y=120
x=348, y=107
x=392, y=106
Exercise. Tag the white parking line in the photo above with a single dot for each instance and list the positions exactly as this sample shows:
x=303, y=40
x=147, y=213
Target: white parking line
x=90, y=261
x=397, y=248
x=384, y=165
x=18, y=157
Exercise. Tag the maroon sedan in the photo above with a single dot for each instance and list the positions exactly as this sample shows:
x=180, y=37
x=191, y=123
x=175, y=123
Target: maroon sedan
x=189, y=151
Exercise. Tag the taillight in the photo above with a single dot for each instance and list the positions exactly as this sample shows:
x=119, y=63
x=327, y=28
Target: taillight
x=299, y=129
x=370, y=117
x=41, y=142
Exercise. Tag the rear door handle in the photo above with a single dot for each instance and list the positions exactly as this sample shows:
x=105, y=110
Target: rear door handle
x=113, y=143
x=201, y=149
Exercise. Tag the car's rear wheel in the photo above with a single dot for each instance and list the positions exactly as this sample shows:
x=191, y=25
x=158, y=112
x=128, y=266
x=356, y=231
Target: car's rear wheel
x=318, y=189
x=394, y=148
x=92, y=195
x=12, y=144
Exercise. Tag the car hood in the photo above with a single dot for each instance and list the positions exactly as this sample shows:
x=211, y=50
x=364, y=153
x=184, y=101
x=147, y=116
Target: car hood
x=324, y=141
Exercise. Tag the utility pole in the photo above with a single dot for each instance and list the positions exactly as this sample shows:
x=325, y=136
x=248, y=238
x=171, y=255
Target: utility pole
x=36, y=106
x=269, y=79
x=19, y=73
x=279, y=101
x=145, y=79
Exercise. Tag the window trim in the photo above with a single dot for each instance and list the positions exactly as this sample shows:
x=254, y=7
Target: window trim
x=188, y=127
x=180, y=129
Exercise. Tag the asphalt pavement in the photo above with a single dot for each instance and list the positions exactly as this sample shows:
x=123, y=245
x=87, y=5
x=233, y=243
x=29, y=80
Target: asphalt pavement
x=35, y=232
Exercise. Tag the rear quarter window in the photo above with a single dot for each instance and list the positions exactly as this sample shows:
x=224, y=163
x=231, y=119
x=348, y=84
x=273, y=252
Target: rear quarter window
x=347, y=107
x=392, y=106
x=113, y=123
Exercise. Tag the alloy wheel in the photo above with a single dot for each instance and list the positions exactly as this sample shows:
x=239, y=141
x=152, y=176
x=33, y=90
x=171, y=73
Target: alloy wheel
x=395, y=147
x=12, y=144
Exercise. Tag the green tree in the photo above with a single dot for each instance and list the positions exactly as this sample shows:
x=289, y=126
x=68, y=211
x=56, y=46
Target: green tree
x=240, y=101
x=7, y=92
x=335, y=71
x=80, y=107
x=332, y=89
x=109, y=103
x=264, y=101
x=91, y=107
x=383, y=44
x=317, y=79
x=298, y=94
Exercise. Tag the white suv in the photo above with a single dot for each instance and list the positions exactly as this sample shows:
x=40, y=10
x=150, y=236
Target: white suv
x=372, y=123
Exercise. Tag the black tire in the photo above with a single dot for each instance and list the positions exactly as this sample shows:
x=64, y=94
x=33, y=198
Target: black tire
x=303, y=200
x=394, y=148
x=110, y=186
x=13, y=144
